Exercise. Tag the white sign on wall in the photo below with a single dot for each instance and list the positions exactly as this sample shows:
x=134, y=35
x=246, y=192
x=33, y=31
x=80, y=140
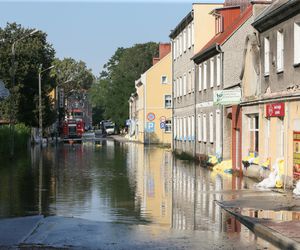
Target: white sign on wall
x=227, y=97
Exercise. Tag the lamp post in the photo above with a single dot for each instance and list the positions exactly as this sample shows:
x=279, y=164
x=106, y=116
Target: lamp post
x=40, y=101
x=13, y=77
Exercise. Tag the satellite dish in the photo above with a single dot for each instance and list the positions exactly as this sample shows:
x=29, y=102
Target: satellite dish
x=4, y=92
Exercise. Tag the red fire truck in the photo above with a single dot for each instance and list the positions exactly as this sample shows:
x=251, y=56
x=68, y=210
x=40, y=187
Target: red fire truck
x=73, y=126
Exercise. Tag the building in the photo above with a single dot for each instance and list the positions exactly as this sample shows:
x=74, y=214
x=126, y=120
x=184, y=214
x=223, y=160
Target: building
x=151, y=105
x=190, y=35
x=276, y=124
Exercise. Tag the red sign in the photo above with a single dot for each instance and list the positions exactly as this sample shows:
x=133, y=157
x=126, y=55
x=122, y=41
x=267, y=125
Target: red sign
x=296, y=155
x=150, y=116
x=275, y=109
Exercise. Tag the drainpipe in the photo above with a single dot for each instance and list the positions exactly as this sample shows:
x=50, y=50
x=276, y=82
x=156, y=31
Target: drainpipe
x=286, y=145
x=195, y=111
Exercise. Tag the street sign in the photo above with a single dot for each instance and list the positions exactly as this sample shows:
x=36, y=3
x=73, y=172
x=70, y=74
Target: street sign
x=150, y=127
x=162, y=119
x=150, y=116
x=162, y=125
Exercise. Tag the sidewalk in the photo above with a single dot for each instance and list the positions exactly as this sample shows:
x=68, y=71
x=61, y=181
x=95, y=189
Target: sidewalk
x=260, y=215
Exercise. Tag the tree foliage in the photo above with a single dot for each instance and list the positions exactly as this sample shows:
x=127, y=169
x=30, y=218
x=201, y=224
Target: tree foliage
x=116, y=82
x=30, y=52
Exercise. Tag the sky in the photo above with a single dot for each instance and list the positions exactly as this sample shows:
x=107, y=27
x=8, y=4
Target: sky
x=92, y=30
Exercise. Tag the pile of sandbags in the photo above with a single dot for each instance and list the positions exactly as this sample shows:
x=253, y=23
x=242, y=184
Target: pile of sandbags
x=224, y=166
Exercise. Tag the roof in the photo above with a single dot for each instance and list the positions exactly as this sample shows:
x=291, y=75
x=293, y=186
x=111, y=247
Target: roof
x=277, y=12
x=183, y=23
x=221, y=38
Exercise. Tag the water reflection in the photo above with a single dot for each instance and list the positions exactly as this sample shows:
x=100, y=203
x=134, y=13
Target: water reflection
x=120, y=182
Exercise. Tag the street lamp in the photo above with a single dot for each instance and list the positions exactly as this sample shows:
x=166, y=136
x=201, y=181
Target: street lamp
x=13, y=76
x=40, y=101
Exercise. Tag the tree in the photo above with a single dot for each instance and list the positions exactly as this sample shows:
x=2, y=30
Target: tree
x=116, y=82
x=22, y=105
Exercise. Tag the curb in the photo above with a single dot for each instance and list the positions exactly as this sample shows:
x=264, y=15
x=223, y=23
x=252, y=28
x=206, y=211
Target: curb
x=264, y=232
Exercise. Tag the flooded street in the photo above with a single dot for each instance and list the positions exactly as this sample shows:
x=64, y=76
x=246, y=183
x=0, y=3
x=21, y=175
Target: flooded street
x=131, y=184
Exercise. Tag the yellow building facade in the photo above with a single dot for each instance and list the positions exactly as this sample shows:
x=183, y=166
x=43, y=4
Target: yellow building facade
x=151, y=121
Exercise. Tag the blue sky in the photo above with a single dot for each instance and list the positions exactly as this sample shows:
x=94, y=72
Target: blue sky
x=92, y=30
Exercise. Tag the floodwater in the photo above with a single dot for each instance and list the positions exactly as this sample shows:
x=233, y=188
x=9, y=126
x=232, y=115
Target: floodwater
x=124, y=183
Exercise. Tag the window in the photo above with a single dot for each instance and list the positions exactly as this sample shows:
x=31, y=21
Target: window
x=175, y=89
x=189, y=36
x=200, y=77
x=219, y=70
x=175, y=128
x=218, y=131
x=184, y=84
x=296, y=43
x=168, y=101
x=254, y=133
x=204, y=128
x=193, y=128
x=181, y=128
x=178, y=128
x=212, y=72
x=205, y=75
x=168, y=126
x=190, y=82
x=267, y=56
x=199, y=128
x=193, y=80
x=189, y=128
x=180, y=86
x=174, y=49
x=280, y=51
x=219, y=24
x=193, y=34
x=184, y=128
x=164, y=80
x=180, y=44
x=184, y=40
x=177, y=47
x=211, y=127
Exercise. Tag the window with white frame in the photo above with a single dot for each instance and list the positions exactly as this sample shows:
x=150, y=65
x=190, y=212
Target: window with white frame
x=199, y=128
x=193, y=34
x=189, y=82
x=189, y=36
x=193, y=80
x=168, y=101
x=212, y=71
x=219, y=70
x=175, y=129
x=178, y=128
x=164, y=79
x=174, y=50
x=280, y=50
x=184, y=128
x=219, y=24
x=181, y=128
x=211, y=127
x=184, y=40
x=267, y=56
x=177, y=46
x=180, y=44
x=204, y=127
x=189, y=130
x=296, y=43
x=205, y=75
x=180, y=86
x=193, y=128
x=200, y=77
x=253, y=132
x=218, y=131
x=174, y=88
x=177, y=87
x=184, y=83
x=168, y=126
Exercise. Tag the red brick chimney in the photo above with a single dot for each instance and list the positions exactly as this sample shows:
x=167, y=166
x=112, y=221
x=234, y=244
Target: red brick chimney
x=164, y=49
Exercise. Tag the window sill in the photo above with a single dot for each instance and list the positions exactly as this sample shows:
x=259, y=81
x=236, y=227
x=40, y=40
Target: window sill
x=296, y=65
x=266, y=74
x=279, y=71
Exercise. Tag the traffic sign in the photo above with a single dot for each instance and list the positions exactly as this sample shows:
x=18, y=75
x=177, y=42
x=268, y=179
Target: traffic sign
x=150, y=127
x=150, y=116
x=162, y=125
x=162, y=119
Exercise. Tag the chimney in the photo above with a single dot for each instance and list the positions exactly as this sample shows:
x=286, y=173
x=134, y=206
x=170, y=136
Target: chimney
x=164, y=49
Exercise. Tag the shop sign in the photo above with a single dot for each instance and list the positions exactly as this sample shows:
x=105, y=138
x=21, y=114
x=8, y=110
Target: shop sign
x=227, y=97
x=296, y=154
x=275, y=109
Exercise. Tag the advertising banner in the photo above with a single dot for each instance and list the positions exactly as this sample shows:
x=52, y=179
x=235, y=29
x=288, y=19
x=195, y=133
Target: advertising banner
x=227, y=97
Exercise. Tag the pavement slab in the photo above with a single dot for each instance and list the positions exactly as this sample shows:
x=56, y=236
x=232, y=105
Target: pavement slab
x=15, y=230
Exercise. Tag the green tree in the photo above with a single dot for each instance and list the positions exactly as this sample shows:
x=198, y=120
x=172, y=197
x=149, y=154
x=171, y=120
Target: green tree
x=29, y=54
x=116, y=82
